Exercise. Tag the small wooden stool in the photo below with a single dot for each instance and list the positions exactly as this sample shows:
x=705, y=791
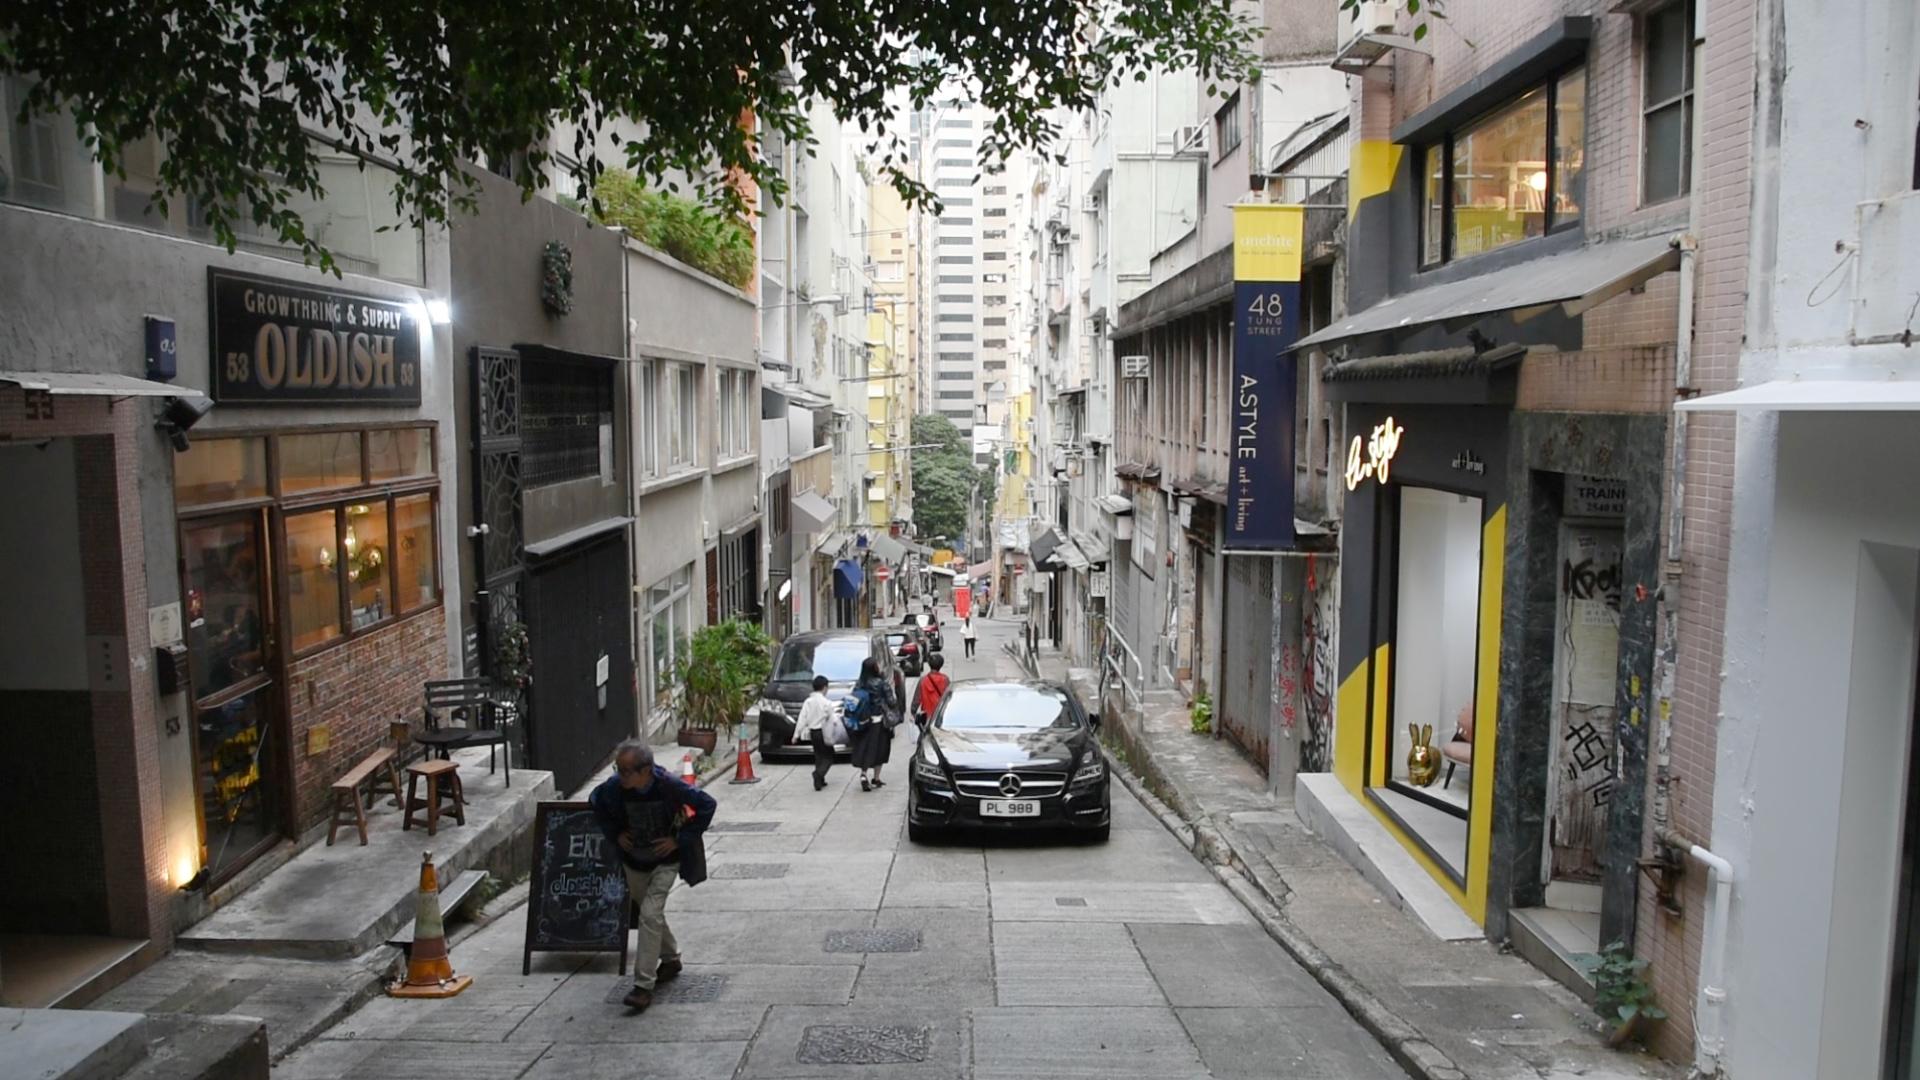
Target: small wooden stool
x=443, y=783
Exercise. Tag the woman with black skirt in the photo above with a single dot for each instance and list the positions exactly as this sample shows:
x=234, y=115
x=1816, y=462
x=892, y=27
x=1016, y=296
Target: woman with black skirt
x=873, y=745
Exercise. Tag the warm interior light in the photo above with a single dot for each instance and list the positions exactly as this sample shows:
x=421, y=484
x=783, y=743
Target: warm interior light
x=183, y=870
x=326, y=557
x=351, y=542
x=1538, y=181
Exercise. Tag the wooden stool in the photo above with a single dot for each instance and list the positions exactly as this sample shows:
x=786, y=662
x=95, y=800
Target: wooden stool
x=443, y=783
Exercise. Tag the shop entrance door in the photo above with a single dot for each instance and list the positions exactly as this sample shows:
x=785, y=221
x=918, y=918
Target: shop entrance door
x=1585, y=671
x=232, y=658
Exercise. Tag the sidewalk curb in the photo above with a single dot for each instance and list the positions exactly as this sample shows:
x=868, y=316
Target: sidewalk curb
x=1403, y=1042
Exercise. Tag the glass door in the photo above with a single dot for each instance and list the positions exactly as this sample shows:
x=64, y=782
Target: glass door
x=232, y=657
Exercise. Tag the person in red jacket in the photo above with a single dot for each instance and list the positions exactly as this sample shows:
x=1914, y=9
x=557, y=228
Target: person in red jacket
x=932, y=687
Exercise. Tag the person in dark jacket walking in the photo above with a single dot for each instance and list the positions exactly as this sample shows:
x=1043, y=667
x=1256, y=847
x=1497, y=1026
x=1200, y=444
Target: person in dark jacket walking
x=873, y=745
x=654, y=820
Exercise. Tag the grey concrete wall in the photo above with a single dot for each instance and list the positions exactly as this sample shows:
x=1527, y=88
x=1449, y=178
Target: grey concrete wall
x=667, y=530
x=678, y=313
x=496, y=271
x=736, y=494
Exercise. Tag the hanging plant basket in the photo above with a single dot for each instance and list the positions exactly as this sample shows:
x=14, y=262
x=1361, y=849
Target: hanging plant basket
x=556, y=278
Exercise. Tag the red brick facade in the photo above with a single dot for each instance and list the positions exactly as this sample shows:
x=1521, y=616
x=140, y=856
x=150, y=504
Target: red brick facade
x=356, y=689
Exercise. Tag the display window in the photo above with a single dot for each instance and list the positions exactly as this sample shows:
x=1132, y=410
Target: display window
x=1435, y=605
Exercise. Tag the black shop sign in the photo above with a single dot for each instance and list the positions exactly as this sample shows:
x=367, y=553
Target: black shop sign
x=280, y=343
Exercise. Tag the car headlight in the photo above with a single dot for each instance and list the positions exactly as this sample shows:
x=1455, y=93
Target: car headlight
x=768, y=705
x=1093, y=769
x=927, y=767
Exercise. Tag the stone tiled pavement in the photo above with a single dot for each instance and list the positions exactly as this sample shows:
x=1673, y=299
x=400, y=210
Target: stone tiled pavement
x=1034, y=961
x=1489, y=1014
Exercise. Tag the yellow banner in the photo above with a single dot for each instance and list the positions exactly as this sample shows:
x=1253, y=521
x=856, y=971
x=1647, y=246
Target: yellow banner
x=1266, y=242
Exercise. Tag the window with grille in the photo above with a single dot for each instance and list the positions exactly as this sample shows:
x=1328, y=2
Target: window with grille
x=563, y=408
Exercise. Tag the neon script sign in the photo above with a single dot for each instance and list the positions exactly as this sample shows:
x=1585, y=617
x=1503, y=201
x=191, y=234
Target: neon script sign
x=1379, y=447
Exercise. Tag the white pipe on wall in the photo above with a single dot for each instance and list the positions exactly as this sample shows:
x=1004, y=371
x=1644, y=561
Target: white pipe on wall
x=1708, y=1042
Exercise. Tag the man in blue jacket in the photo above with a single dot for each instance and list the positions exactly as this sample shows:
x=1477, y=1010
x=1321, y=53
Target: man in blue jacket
x=654, y=819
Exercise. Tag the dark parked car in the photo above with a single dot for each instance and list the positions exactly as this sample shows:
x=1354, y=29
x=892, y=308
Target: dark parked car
x=837, y=654
x=929, y=625
x=1009, y=755
x=909, y=645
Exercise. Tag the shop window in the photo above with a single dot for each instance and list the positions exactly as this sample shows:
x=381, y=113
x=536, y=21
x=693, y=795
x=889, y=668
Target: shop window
x=669, y=624
x=1666, y=93
x=225, y=626
x=416, y=575
x=400, y=453
x=313, y=578
x=213, y=471
x=1513, y=175
x=566, y=417
x=1435, y=659
x=368, y=551
x=322, y=461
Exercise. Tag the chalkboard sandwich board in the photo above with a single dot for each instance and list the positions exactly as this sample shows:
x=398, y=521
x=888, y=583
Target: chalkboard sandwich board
x=578, y=899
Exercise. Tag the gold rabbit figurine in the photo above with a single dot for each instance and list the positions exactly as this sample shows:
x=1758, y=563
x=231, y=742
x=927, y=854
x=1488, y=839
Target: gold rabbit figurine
x=1423, y=765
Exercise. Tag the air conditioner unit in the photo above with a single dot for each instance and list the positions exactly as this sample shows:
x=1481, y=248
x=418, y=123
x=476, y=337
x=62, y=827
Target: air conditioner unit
x=1367, y=33
x=1133, y=367
x=1190, y=139
x=1371, y=17
x=1089, y=205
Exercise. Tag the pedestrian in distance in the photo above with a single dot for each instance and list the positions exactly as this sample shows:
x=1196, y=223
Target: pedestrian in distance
x=654, y=820
x=967, y=636
x=931, y=688
x=871, y=714
x=819, y=717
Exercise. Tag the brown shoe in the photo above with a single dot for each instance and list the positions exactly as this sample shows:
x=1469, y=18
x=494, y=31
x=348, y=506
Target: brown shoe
x=669, y=968
x=638, y=1000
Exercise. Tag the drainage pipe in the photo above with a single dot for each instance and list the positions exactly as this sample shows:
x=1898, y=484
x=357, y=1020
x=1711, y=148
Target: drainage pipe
x=1708, y=1041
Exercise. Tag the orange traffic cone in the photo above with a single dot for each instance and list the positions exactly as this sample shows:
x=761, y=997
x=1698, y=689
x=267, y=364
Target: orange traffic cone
x=429, y=967
x=686, y=768
x=743, y=770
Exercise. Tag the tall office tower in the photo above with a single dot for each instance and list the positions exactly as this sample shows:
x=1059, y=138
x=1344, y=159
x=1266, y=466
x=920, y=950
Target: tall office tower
x=949, y=151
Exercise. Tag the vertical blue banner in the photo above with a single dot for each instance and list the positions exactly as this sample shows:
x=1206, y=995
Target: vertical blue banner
x=1263, y=399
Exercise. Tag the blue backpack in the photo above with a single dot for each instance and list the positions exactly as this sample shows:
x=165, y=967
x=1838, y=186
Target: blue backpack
x=857, y=709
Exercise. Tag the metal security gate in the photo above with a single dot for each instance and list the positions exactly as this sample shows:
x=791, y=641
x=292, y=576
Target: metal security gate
x=581, y=635
x=494, y=389
x=1247, y=690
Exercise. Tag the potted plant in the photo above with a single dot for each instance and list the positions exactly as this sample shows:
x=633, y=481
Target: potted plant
x=1200, y=713
x=1621, y=995
x=716, y=677
x=512, y=657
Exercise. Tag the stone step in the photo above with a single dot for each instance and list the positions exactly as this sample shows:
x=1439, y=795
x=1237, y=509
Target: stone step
x=71, y=1044
x=185, y=1047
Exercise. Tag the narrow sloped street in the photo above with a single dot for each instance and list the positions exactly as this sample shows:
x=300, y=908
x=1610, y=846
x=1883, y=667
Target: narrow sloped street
x=827, y=945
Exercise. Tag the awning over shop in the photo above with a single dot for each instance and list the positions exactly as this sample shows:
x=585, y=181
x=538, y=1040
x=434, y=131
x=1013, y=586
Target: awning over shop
x=1813, y=395
x=1577, y=280
x=942, y=571
x=94, y=384
x=1116, y=505
x=888, y=549
x=549, y=546
x=846, y=579
x=1069, y=555
x=1041, y=545
x=815, y=511
x=831, y=544
x=1093, y=547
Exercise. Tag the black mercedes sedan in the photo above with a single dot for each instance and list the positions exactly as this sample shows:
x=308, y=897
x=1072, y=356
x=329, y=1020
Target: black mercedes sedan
x=1009, y=755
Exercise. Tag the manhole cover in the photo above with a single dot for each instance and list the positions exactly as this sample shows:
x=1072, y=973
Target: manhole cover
x=1070, y=901
x=864, y=1044
x=873, y=941
x=743, y=826
x=686, y=989
x=740, y=871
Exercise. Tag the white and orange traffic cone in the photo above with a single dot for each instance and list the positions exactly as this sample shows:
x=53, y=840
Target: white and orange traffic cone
x=686, y=769
x=429, y=967
x=743, y=768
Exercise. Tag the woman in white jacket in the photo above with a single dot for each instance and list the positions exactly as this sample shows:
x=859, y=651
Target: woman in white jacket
x=818, y=717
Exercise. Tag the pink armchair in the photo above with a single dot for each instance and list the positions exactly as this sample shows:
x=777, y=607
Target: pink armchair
x=1459, y=749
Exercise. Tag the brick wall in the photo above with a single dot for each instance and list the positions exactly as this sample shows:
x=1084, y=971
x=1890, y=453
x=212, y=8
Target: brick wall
x=1621, y=379
x=357, y=689
x=1725, y=92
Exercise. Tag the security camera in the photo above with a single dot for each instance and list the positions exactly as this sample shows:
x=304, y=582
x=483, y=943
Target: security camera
x=180, y=414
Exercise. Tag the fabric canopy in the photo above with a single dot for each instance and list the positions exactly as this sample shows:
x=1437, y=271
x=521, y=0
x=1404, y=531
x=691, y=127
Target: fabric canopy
x=97, y=384
x=846, y=579
x=1042, y=545
x=814, y=510
x=1580, y=279
x=1813, y=395
x=887, y=548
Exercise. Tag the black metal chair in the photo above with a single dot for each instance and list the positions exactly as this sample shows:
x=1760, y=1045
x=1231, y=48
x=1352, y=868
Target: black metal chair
x=468, y=712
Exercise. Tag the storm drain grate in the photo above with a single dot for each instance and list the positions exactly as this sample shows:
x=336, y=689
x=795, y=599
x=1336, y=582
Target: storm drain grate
x=686, y=989
x=1070, y=901
x=864, y=1044
x=748, y=870
x=873, y=941
x=743, y=826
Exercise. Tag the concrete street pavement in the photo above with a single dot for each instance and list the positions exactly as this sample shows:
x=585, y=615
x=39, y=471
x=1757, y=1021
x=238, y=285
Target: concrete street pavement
x=827, y=945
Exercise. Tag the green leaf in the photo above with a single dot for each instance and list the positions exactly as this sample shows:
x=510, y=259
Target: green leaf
x=1413, y=7
x=1629, y=1011
x=1420, y=32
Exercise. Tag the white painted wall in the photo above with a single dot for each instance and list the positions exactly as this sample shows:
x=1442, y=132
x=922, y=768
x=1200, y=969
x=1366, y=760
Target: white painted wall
x=1813, y=742
x=1437, y=607
x=43, y=642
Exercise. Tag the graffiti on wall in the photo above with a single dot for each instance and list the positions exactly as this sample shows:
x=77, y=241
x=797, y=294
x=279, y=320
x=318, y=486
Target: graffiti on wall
x=1317, y=668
